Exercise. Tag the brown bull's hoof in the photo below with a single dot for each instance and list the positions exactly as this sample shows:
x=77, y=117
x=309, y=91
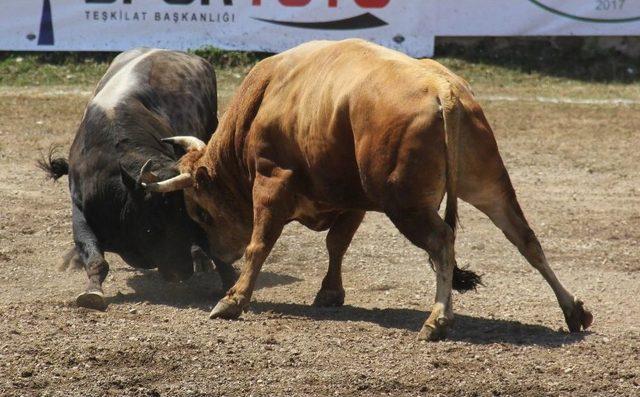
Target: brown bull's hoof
x=329, y=298
x=579, y=318
x=433, y=333
x=92, y=300
x=227, y=309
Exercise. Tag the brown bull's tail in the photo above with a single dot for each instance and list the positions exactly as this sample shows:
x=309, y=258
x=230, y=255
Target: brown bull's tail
x=54, y=167
x=451, y=114
x=463, y=279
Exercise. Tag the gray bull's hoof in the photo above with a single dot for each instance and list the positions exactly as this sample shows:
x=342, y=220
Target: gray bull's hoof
x=227, y=309
x=92, y=300
x=329, y=298
x=578, y=318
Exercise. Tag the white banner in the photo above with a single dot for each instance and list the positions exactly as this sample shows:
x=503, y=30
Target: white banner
x=276, y=25
x=255, y=25
x=537, y=18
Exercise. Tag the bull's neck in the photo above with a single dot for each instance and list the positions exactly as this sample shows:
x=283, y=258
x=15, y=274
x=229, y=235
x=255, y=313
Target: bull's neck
x=225, y=157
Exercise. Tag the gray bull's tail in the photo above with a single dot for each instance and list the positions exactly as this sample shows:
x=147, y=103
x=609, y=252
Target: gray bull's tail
x=463, y=279
x=54, y=167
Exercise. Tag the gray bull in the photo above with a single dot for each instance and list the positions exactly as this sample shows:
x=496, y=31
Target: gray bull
x=145, y=95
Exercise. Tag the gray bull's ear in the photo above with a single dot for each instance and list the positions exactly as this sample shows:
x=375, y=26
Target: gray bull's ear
x=128, y=180
x=150, y=181
x=146, y=175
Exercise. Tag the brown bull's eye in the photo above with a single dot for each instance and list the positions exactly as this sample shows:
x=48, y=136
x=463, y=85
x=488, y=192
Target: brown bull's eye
x=203, y=216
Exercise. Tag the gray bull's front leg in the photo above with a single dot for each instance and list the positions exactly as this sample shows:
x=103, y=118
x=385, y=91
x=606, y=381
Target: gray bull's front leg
x=95, y=265
x=228, y=274
x=203, y=263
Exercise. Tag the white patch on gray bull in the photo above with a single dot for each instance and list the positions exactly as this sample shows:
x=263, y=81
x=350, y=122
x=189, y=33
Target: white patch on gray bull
x=119, y=85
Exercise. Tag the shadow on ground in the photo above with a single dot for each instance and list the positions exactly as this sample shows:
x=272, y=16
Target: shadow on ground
x=202, y=290
x=469, y=329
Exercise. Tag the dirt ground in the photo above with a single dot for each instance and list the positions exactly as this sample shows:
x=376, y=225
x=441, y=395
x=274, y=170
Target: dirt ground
x=575, y=168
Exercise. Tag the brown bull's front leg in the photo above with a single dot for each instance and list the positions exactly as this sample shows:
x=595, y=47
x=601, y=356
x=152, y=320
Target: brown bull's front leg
x=272, y=207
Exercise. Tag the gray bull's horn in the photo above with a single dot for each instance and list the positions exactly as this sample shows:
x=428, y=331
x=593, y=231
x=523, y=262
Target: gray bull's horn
x=146, y=176
x=187, y=142
x=179, y=182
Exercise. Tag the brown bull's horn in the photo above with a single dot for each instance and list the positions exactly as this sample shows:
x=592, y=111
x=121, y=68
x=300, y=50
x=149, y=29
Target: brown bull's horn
x=179, y=182
x=187, y=142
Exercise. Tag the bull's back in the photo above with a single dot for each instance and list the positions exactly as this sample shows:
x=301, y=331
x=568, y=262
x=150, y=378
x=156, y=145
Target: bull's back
x=175, y=85
x=346, y=111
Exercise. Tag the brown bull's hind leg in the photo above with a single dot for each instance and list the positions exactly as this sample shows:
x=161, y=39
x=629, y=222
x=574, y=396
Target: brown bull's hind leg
x=427, y=230
x=338, y=239
x=272, y=207
x=503, y=209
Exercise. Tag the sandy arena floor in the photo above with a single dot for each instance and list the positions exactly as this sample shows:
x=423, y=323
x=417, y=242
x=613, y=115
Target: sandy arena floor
x=576, y=168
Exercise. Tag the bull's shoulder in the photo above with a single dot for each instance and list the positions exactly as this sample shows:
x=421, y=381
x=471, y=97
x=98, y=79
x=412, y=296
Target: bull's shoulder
x=178, y=60
x=120, y=80
x=183, y=86
x=174, y=72
x=119, y=62
x=129, y=55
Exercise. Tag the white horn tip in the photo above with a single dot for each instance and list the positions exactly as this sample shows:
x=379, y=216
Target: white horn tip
x=187, y=142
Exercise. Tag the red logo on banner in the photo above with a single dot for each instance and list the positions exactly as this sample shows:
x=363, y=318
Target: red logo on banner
x=363, y=21
x=331, y=3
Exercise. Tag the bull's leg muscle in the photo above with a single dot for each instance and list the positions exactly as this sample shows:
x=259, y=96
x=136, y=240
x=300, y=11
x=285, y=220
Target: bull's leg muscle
x=485, y=184
x=427, y=230
x=338, y=239
x=507, y=215
x=95, y=265
x=493, y=194
x=272, y=207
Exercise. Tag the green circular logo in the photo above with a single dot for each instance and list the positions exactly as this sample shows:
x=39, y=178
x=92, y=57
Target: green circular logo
x=596, y=11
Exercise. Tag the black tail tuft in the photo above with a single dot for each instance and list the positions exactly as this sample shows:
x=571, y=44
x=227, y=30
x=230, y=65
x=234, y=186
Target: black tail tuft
x=54, y=167
x=465, y=280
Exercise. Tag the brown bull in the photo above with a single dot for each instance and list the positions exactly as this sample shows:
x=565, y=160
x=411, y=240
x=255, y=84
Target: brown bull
x=326, y=131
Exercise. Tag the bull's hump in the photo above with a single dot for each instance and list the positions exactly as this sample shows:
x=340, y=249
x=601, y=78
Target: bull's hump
x=121, y=84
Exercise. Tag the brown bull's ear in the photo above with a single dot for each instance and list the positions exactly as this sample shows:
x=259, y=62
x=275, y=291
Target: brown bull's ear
x=203, y=180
